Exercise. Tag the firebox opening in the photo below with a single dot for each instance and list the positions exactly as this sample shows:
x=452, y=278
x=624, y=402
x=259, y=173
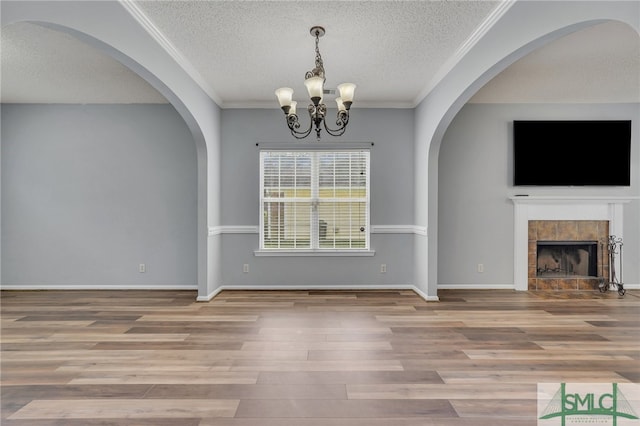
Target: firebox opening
x=567, y=258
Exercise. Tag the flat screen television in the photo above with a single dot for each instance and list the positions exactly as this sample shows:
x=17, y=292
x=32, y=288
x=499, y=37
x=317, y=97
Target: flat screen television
x=572, y=153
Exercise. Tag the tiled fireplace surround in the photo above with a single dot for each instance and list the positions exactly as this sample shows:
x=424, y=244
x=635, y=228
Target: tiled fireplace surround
x=562, y=218
x=567, y=230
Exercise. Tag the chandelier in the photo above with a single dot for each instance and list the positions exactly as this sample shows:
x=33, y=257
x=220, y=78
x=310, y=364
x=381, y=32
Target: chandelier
x=314, y=81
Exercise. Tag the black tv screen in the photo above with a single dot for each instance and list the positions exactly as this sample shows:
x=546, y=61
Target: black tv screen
x=572, y=153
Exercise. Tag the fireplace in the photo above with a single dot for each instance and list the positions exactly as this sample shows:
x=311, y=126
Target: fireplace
x=567, y=254
x=567, y=259
x=562, y=218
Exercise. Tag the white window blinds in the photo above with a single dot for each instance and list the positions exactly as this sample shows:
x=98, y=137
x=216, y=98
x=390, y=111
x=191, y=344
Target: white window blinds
x=314, y=200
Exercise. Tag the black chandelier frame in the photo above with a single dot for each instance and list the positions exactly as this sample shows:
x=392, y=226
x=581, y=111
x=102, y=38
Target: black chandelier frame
x=316, y=109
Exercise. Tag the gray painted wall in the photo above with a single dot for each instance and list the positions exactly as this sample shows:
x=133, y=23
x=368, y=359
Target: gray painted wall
x=391, y=131
x=475, y=181
x=91, y=191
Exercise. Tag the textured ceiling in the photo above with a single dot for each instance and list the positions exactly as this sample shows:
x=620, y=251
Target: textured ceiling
x=246, y=50
x=40, y=65
x=242, y=51
x=598, y=64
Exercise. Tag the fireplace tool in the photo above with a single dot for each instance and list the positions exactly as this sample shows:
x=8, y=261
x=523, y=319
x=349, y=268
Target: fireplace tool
x=615, y=248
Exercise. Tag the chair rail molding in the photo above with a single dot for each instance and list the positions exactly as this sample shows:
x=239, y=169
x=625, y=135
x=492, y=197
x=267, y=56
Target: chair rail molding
x=375, y=229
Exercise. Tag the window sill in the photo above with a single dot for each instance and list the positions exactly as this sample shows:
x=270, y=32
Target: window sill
x=314, y=253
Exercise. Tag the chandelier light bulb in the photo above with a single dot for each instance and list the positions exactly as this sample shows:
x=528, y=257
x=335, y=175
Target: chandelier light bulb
x=292, y=109
x=346, y=91
x=340, y=104
x=284, y=95
x=314, y=87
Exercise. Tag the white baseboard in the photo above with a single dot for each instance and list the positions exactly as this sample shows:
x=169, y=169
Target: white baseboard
x=210, y=296
x=97, y=287
x=319, y=287
x=632, y=286
x=419, y=292
x=502, y=287
x=214, y=293
x=476, y=287
x=424, y=295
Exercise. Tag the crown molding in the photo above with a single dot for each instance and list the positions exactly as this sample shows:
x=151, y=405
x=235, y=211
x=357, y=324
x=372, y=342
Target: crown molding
x=464, y=48
x=360, y=105
x=155, y=33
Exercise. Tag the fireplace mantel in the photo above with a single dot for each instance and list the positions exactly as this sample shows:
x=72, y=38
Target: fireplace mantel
x=555, y=199
x=528, y=208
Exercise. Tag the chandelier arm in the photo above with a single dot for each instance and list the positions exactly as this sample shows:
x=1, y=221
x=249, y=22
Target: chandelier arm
x=342, y=119
x=336, y=132
x=294, y=124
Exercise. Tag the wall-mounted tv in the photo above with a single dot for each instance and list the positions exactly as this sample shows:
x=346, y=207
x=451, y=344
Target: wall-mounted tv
x=572, y=153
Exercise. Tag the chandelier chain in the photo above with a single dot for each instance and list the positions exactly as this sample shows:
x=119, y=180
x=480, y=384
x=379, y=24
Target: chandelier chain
x=319, y=63
x=318, y=71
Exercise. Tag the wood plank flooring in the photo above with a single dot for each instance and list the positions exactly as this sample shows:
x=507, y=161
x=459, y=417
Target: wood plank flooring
x=305, y=358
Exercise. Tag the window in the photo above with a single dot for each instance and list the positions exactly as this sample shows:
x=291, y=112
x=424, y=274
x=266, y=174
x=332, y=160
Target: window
x=314, y=200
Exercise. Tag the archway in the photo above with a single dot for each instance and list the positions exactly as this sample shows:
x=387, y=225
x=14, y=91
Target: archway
x=153, y=64
x=525, y=27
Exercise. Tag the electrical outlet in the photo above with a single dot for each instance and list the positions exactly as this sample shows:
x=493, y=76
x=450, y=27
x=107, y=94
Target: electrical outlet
x=142, y=268
x=383, y=268
x=480, y=267
x=245, y=268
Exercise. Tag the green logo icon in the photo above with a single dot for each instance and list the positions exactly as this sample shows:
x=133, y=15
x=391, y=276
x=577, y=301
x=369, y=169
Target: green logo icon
x=585, y=407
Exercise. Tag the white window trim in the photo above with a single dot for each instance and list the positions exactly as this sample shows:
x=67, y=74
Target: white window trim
x=314, y=226
x=312, y=252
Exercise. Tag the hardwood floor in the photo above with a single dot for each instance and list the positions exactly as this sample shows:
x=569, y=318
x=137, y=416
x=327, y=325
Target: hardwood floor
x=305, y=358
